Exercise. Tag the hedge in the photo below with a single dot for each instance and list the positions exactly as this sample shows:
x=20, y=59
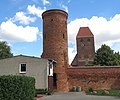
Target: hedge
x=17, y=88
x=43, y=91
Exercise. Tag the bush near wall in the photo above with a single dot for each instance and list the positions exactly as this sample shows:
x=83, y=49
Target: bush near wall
x=104, y=93
x=17, y=88
x=43, y=91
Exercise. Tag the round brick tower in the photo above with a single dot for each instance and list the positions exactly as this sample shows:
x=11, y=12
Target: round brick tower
x=55, y=44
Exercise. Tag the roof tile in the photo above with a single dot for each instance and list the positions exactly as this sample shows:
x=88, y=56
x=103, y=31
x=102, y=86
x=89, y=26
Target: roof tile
x=84, y=32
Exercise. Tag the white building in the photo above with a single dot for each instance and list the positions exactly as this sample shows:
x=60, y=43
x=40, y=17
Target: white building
x=40, y=69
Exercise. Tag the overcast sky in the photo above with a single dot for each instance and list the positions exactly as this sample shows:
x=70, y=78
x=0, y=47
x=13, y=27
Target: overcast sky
x=21, y=23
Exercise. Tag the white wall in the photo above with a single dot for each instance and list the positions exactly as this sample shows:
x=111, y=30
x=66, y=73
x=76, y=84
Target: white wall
x=36, y=68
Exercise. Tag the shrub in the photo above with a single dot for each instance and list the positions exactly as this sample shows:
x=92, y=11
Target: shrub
x=17, y=88
x=48, y=91
x=43, y=91
x=90, y=89
x=40, y=91
x=105, y=92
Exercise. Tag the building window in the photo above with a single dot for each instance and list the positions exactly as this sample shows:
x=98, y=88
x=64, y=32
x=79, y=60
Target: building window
x=88, y=40
x=82, y=45
x=63, y=36
x=65, y=22
x=22, y=68
x=44, y=36
x=50, y=73
x=51, y=20
x=81, y=40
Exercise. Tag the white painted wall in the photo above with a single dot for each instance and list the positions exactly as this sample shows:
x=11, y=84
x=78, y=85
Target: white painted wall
x=36, y=67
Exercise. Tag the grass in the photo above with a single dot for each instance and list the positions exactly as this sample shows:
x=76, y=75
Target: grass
x=104, y=93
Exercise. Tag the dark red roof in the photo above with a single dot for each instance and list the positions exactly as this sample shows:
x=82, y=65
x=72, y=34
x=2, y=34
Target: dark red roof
x=84, y=31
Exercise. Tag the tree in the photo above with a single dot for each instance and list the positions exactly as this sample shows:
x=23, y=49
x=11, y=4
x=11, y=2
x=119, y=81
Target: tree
x=104, y=56
x=5, y=51
x=116, y=59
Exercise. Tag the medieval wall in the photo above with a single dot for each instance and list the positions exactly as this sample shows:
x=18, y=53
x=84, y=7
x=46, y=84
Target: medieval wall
x=96, y=77
x=55, y=46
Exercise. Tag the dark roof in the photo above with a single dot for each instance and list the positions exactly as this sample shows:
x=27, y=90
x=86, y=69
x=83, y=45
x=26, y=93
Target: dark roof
x=22, y=56
x=84, y=32
x=26, y=56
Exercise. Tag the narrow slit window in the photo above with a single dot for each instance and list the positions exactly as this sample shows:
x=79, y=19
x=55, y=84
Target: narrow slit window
x=81, y=40
x=51, y=20
x=44, y=36
x=88, y=40
x=63, y=36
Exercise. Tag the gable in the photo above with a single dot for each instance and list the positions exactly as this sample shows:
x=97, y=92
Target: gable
x=84, y=32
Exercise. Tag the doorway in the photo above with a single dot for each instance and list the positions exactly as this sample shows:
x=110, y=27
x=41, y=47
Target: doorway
x=54, y=80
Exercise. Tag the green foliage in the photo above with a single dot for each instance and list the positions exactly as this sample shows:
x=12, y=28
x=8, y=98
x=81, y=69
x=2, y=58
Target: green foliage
x=90, y=89
x=17, y=88
x=102, y=92
x=116, y=59
x=105, y=56
x=43, y=91
x=48, y=91
x=40, y=91
x=5, y=51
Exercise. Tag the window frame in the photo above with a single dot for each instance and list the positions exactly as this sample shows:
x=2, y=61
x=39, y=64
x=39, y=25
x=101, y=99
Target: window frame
x=22, y=72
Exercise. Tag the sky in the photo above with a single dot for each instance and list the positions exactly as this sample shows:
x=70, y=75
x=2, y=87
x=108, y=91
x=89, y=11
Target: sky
x=21, y=23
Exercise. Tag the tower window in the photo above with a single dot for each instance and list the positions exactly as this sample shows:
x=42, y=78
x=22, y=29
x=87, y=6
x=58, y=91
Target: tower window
x=82, y=45
x=51, y=20
x=63, y=36
x=44, y=36
x=88, y=40
x=81, y=40
x=65, y=22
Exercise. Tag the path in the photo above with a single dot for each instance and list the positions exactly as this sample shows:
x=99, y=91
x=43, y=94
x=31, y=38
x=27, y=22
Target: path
x=77, y=96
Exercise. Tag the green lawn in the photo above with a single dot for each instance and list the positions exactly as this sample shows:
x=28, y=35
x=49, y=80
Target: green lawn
x=104, y=93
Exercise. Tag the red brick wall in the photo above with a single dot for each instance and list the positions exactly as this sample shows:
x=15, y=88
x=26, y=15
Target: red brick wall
x=97, y=77
x=55, y=43
x=55, y=46
x=85, y=50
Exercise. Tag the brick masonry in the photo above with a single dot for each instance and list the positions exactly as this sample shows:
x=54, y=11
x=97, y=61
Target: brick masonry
x=55, y=46
x=85, y=54
x=96, y=77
